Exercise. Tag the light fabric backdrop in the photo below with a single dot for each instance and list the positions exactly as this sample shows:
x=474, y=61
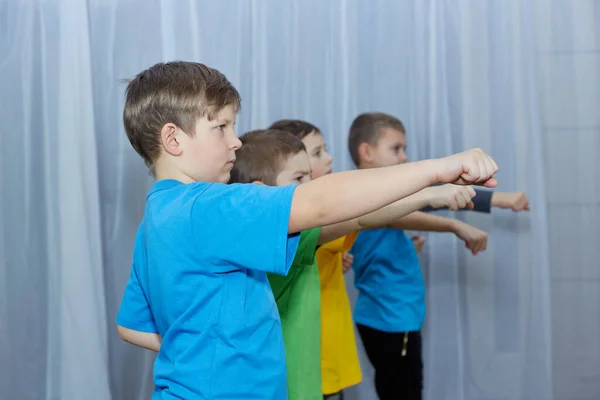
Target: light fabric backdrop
x=518, y=78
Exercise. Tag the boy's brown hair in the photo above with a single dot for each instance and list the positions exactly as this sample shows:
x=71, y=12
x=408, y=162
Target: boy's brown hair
x=366, y=129
x=177, y=92
x=263, y=154
x=296, y=127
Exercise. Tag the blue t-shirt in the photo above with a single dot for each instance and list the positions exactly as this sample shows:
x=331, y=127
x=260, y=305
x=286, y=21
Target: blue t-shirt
x=199, y=279
x=388, y=277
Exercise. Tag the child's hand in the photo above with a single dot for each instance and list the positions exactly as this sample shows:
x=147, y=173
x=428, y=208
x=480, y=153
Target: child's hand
x=347, y=260
x=472, y=167
x=475, y=239
x=419, y=242
x=516, y=201
x=452, y=196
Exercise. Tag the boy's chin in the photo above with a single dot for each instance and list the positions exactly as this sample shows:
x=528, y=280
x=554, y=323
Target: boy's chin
x=225, y=178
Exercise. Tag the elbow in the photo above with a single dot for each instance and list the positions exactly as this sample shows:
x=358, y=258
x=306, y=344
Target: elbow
x=122, y=332
x=323, y=217
x=309, y=217
x=363, y=224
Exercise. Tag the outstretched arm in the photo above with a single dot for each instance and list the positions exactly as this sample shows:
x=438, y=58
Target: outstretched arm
x=342, y=196
x=451, y=196
x=484, y=200
x=475, y=239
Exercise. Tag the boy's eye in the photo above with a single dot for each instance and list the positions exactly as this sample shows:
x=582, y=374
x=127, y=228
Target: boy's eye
x=301, y=178
x=221, y=127
x=317, y=153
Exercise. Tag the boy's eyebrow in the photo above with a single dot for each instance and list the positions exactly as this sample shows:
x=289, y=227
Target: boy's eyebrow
x=224, y=121
x=302, y=172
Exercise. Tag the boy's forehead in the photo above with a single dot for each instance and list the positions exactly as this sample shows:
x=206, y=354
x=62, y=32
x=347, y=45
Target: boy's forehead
x=297, y=162
x=313, y=139
x=226, y=114
x=388, y=134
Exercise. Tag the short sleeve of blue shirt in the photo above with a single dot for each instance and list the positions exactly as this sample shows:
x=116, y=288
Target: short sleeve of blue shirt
x=248, y=225
x=135, y=312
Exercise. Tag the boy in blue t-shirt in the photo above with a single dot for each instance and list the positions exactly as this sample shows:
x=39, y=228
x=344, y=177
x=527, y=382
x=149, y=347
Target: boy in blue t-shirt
x=198, y=291
x=390, y=307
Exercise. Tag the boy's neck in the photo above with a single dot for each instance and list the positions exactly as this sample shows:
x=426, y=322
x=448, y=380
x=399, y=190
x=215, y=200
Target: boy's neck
x=163, y=171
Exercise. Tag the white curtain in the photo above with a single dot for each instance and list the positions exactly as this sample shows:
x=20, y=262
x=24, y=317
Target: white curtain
x=518, y=78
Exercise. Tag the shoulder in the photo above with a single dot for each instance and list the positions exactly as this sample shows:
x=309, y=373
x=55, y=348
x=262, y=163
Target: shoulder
x=239, y=194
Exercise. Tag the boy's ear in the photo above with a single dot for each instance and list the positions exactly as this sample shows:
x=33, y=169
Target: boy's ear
x=169, y=139
x=258, y=182
x=364, y=152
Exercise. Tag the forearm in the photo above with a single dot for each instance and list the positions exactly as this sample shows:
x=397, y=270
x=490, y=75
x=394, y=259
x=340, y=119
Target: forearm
x=350, y=194
x=420, y=221
x=377, y=219
x=149, y=341
x=517, y=201
x=500, y=200
x=336, y=231
x=394, y=211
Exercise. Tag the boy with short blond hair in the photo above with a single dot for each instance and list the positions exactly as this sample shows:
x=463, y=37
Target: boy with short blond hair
x=277, y=158
x=198, y=291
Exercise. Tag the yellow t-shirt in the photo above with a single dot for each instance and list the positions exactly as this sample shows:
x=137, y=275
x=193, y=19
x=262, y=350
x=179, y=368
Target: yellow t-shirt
x=340, y=367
